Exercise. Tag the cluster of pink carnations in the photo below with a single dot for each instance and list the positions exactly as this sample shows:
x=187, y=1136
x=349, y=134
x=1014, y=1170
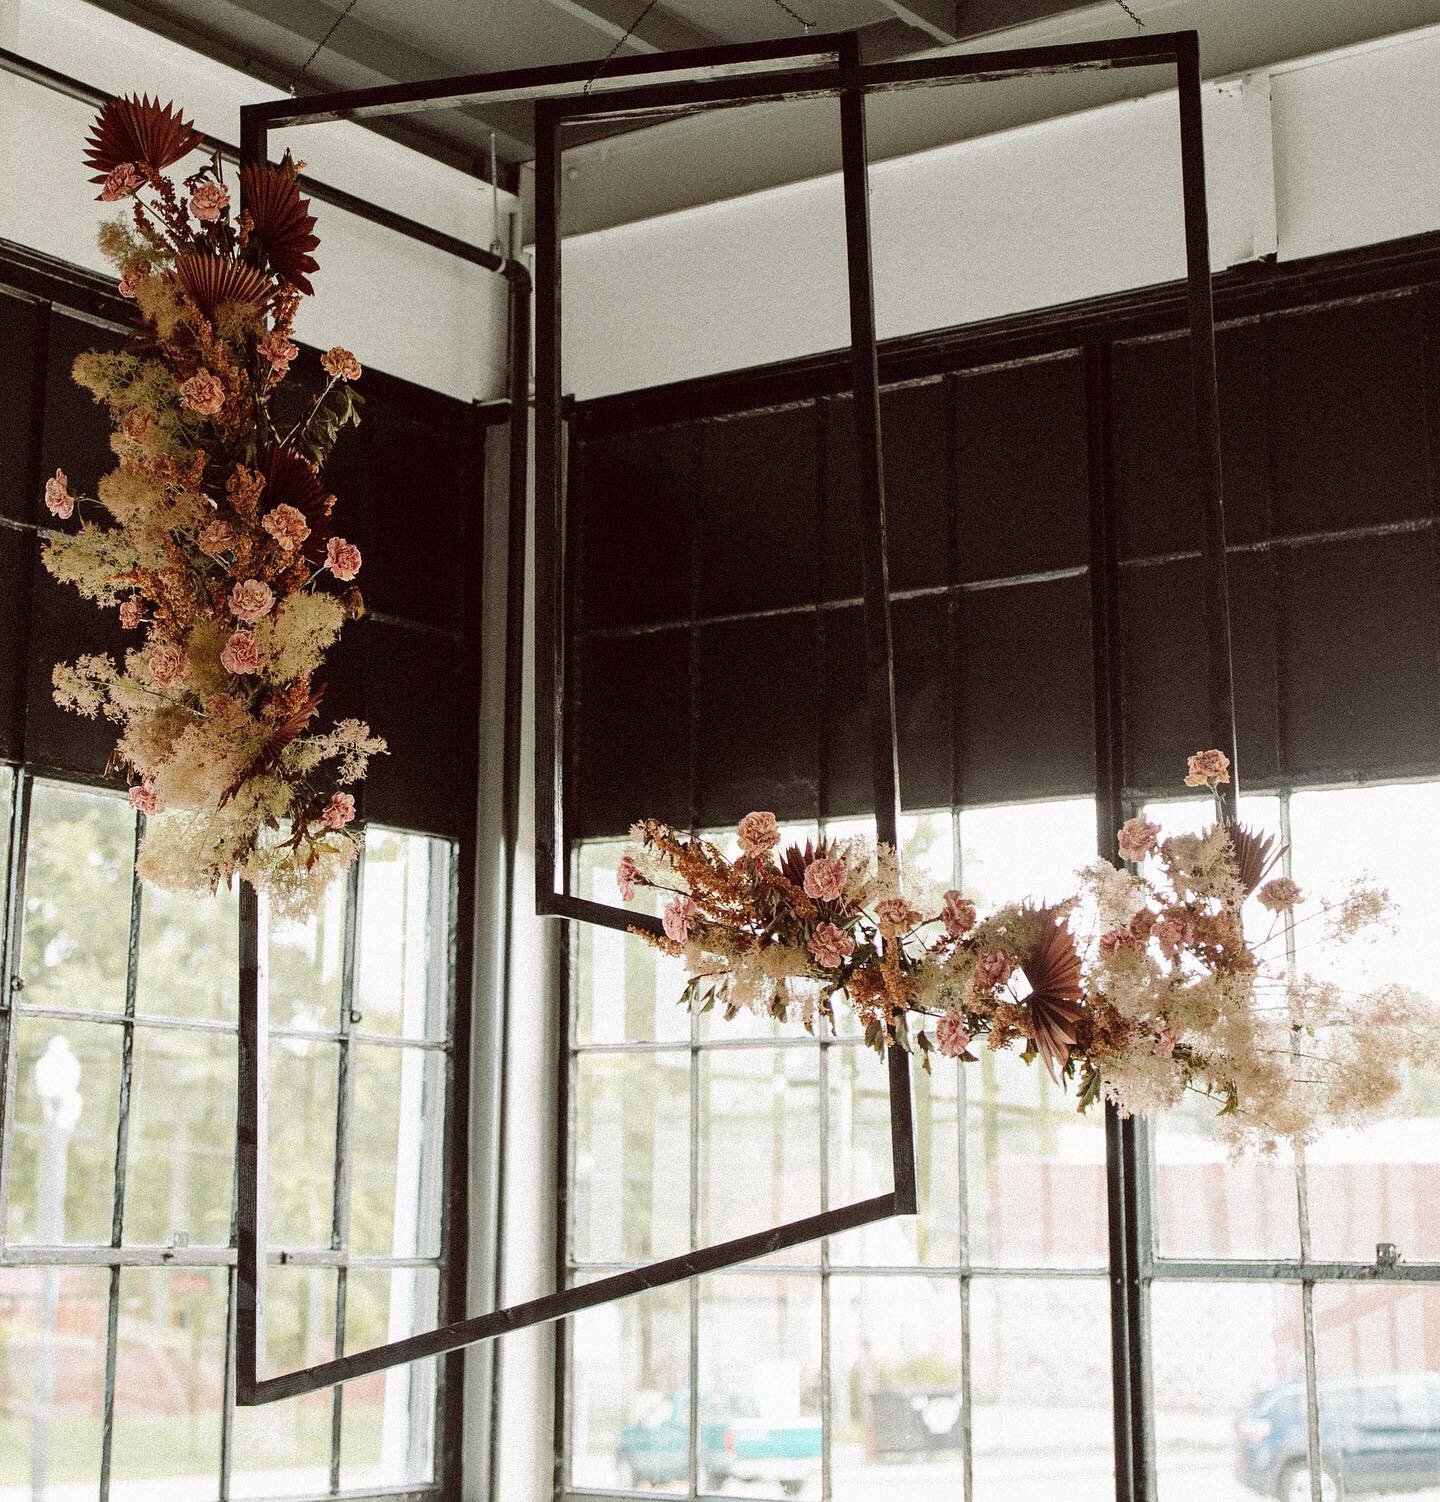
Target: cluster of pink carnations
x=212, y=537
x=1139, y=988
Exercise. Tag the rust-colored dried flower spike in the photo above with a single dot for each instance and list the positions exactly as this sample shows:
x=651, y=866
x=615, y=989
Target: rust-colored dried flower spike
x=212, y=280
x=140, y=131
x=282, y=228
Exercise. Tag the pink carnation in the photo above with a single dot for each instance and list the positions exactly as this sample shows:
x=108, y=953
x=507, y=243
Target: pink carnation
x=626, y=875
x=1165, y=1043
x=958, y=914
x=168, y=665
x=1207, y=767
x=143, y=799
x=129, y=283
x=219, y=537
x=339, y=811
x=895, y=916
x=251, y=599
x=993, y=970
x=341, y=364
x=1137, y=839
x=58, y=500
x=286, y=525
x=1280, y=895
x=202, y=393
x=132, y=612
x=831, y=946
x=677, y=918
x=208, y=201
x=277, y=349
x=342, y=558
x=1113, y=940
x=1172, y=932
x=121, y=183
x=758, y=833
x=241, y=654
x=825, y=879
x=950, y=1036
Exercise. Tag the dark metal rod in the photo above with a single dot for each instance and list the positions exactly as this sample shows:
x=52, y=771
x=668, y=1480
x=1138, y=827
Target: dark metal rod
x=569, y=1301
x=879, y=641
x=250, y=1138
x=1207, y=413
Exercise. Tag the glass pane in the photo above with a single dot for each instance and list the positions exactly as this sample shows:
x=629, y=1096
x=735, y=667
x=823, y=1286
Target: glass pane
x=1019, y=851
x=78, y=869
x=1040, y=1390
x=283, y=1449
x=630, y=1199
x=62, y=1147
x=759, y=1142
x=403, y=976
x=388, y=1418
x=760, y=1384
x=182, y=1138
x=305, y=964
x=1035, y=1169
x=1229, y=1379
x=52, y=1381
x=169, y=1384
x=897, y=1422
x=858, y=1133
x=397, y=1140
x=189, y=955
x=301, y=1142
x=629, y=1390
x=624, y=990
x=1377, y=1360
x=1376, y=1184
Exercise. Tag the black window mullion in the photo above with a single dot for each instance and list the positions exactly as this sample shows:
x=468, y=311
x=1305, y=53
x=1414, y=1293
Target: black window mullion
x=11, y=982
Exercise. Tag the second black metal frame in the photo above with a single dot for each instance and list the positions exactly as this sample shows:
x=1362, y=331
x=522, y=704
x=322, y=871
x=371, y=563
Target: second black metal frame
x=817, y=68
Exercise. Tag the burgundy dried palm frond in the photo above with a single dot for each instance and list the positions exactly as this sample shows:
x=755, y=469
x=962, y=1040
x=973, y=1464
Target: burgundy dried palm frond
x=291, y=480
x=1253, y=855
x=140, y=131
x=1051, y=963
x=281, y=225
x=212, y=280
x=284, y=732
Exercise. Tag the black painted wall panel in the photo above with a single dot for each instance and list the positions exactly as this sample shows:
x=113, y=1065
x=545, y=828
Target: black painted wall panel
x=22, y=394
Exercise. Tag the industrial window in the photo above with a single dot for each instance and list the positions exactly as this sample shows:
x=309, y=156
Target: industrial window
x=117, y=1244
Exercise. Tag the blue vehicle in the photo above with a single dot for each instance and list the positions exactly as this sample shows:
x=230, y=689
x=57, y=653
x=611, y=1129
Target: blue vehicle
x=1377, y=1435
x=736, y=1443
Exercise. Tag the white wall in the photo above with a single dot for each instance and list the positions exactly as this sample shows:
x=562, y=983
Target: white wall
x=401, y=306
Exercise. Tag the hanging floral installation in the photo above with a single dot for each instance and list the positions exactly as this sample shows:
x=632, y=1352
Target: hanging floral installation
x=1142, y=986
x=213, y=535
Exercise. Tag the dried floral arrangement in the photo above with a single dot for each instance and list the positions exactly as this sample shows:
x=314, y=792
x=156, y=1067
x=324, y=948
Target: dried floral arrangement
x=213, y=536
x=1140, y=987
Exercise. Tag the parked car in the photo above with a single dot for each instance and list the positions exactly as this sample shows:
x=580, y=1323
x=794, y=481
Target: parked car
x=737, y=1442
x=913, y=1420
x=1377, y=1434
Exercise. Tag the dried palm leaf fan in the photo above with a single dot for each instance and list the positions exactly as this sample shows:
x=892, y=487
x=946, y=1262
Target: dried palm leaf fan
x=281, y=226
x=210, y=281
x=290, y=480
x=1051, y=964
x=140, y=132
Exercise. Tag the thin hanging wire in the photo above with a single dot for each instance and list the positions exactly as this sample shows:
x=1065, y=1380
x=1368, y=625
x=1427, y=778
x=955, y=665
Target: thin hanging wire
x=639, y=21
x=1124, y=5
x=320, y=45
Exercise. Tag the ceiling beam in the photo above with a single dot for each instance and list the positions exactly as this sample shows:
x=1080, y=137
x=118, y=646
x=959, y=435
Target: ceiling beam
x=642, y=30
x=938, y=19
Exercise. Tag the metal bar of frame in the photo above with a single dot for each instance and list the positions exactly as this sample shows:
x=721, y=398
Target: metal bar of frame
x=851, y=81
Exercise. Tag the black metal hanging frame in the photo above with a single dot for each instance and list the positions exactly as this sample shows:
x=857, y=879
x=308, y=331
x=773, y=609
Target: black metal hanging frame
x=656, y=87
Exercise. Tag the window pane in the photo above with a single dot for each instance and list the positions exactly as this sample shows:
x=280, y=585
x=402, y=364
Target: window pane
x=189, y=954
x=858, y=1133
x=169, y=1384
x=1376, y=1185
x=897, y=1424
x=403, y=979
x=631, y=1196
x=78, y=871
x=624, y=990
x=283, y=1449
x=1377, y=1359
x=388, y=1418
x=1040, y=1390
x=760, y=1383
x=1020, y=851
x=1229, y=1379
x=759, y=1142
x=62, y=1147
x=629, y=1388
x=182, y=1138
x=305, y=966
x=398, y=1135
x=301, y=1142
x=52, y=1381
